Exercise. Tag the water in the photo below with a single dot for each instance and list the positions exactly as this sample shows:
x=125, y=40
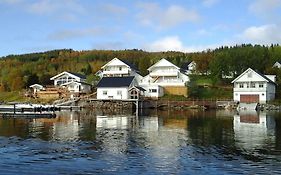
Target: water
x=161, y=142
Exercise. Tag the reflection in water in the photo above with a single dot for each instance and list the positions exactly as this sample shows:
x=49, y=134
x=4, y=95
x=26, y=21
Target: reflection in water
x=253, y=129
x=164, y=142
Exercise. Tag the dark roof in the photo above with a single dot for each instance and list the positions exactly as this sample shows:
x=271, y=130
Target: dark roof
x=184, y=66
x=115, y=81
x=130, y=64
x=139, y=88
x=78, y=75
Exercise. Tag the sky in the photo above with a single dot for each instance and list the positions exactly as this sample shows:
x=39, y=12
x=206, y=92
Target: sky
x=180, y=25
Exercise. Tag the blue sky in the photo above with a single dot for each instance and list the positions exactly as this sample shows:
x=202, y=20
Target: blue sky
x=181, y=25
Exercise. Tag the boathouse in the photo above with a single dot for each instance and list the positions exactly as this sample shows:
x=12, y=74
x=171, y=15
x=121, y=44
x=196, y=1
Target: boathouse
x=118, y=88
x=254, y=87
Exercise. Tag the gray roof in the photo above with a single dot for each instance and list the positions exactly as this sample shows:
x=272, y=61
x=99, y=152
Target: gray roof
x=115, y=81
x=78, y=75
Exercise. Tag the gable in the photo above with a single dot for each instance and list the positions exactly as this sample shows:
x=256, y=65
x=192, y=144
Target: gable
x=115, y=62
x=68, y=74
x=250, y=75
x=163, y=63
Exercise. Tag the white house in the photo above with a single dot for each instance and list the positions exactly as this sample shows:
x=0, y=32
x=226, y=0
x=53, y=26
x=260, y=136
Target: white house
x=115, y=88
x=118, y=68
x=189, y=67
x=153, y=91
x=77, y=87
x=36, y=88
x=166, y=75
x=66, y=77
x=253, y=87
x=277, y=64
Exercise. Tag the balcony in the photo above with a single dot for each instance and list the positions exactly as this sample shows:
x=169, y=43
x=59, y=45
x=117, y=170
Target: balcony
x=249, y=89
x=116, y=71
x=163, y=73
x=171, y=82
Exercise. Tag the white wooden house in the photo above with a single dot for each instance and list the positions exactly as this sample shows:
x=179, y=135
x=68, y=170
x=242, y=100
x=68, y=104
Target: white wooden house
x=36, y=88
x=66, y=77
x=189, y=67
x=118, y=88
x=166, y=75
x=277, y=64
x=118, y=68
x=77, y=87
x=253, y=87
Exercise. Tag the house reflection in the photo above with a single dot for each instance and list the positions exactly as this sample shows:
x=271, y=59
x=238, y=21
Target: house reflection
x=113, y=132
x=65, y=127
x=253, y=129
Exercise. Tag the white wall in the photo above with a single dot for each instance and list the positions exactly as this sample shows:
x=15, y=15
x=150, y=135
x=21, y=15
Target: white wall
x=112, y=93
x=150, y=91
x=262, y=95
x=270, y=92
x=266, y=93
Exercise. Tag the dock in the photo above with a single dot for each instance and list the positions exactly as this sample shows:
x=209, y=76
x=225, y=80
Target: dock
x=28, y=115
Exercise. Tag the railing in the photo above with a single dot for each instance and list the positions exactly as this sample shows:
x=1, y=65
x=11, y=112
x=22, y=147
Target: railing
x=249, y=89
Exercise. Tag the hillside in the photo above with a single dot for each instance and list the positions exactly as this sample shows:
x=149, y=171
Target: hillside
x=19, y=71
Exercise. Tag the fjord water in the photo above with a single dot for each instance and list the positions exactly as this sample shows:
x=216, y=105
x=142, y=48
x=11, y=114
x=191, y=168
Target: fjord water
x=159, y=142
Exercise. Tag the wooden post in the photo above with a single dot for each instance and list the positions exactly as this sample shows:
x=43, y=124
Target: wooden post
x=14, y=108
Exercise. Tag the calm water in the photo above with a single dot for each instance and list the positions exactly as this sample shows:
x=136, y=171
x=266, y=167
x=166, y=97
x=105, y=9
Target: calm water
x=161, y=142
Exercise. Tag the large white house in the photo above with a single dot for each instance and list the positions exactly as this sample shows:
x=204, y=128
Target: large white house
x=117, y=88
x=253, y=87
x=66, y=77
x=165, y=74
x=77, y=87
x=75, y=83
x=118, y=68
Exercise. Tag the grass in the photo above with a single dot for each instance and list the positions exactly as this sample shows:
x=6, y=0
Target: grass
x=12, y=96
x=18, y=96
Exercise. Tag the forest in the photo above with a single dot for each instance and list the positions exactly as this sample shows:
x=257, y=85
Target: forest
x=20, y=71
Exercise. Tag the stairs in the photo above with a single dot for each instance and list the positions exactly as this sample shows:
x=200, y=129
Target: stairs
x=247, y=106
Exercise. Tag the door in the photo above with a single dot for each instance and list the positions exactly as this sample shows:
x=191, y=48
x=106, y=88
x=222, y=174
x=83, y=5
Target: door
x=249, y=98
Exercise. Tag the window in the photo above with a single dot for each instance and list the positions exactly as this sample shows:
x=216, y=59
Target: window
x=253, y=85
x=104, y=92
x=119, y=92
x=261, y=85
x=120, y=68
x=249, y=75
x=152, y=90
x=241, y=85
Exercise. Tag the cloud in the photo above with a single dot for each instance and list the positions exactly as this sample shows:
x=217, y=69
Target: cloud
x=173, y=43
x=62, y=9
x=209, y=3
x=55, y=7
x=114, y=9
x=152, y=14
x=78, y=33
x=265, y=34
x=112, y=45
x=264, y=7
